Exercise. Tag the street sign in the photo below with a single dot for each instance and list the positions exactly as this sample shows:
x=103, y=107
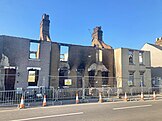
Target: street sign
x=68, y=82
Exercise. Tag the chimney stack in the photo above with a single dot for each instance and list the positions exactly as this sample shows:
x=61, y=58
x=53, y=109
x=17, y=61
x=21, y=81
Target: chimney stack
x=44, y=28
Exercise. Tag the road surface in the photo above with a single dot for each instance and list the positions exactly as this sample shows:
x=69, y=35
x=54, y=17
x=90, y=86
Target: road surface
x=123, y=111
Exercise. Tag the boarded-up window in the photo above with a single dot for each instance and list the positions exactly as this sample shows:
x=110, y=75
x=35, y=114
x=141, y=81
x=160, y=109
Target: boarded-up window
x=33, y=75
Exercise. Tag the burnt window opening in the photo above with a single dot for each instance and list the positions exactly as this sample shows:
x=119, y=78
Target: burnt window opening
x=141, y=58
x=99, y=55
x=64, y=53
x=105, y=78
x=80, y=74
x=130, y=56
x=33, y=75
x=91, y=78
x=63, y=74
x=34, y=50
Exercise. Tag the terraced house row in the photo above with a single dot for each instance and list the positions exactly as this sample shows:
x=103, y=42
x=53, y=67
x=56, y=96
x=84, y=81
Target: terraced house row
x=43, y=62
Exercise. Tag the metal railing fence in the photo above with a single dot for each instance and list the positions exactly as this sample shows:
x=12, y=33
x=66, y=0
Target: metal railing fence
x=35, y=96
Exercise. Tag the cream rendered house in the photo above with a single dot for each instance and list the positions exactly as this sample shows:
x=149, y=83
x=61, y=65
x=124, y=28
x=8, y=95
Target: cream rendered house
x=132, y=68
x=156, y=60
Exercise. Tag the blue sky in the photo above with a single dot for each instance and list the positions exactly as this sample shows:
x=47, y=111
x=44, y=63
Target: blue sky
x=125, y=23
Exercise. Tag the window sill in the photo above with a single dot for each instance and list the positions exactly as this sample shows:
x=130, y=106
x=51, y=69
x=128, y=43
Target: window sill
x=131, y=85
x=34, y=59
x=143, y=86
x=131, y=64
x=141, y=64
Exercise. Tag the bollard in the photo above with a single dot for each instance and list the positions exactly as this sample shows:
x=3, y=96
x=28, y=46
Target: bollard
x=142, y=96
x=22, y=105
x=44, y=101
x=100, y=98
x=125, y=98
x=154, y=95
x=77, y=98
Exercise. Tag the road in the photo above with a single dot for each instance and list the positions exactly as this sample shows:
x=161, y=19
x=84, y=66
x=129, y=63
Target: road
x=123, y=111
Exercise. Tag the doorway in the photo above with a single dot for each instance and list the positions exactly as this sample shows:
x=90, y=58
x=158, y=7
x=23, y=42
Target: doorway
x=10, y=75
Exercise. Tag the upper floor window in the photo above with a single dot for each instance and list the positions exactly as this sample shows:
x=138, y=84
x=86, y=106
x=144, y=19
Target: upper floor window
x=140, y=57
x=130, y=55
x=64, y=53
x=100, y=55
x=34, y=50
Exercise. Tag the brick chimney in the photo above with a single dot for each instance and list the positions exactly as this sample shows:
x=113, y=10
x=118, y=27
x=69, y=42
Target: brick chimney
x=44, y=28
x=97, y=33
x=97, y=40
x=158, y=41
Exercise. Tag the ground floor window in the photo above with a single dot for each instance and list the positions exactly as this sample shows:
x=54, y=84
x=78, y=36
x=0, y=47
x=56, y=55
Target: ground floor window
x=33, y=75
x=80, y=75
x=63, y=74
x=141, y=78
x=91, y=78
x=131, y=78
x=105, y=78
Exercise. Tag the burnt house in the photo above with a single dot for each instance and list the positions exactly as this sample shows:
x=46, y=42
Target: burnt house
x=88, y=66
x=27, y=62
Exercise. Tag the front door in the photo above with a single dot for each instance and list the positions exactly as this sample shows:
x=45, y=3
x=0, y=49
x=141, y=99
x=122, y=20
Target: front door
x=9, y=82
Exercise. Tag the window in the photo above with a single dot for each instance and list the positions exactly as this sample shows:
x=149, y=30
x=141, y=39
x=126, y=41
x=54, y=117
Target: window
x=130, y=56
x=33, y=53
x=100, y=55
x=64, y=53
x=131, y=78
x=91, y=78
x=33, y=77
x=63, y=75
x=140, y=57
x=80, y=74
x=141, y=78
x=105, y=78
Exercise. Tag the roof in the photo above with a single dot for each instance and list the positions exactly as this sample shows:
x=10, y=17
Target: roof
x=97, y=67
x=156, y=46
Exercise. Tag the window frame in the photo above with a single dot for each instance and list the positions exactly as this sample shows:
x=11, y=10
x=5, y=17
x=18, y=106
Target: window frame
x=34, y=49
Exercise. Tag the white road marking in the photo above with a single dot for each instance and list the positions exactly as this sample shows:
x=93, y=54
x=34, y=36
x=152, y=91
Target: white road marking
x=10, y=110
x=51, y=116
x=130, y=107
